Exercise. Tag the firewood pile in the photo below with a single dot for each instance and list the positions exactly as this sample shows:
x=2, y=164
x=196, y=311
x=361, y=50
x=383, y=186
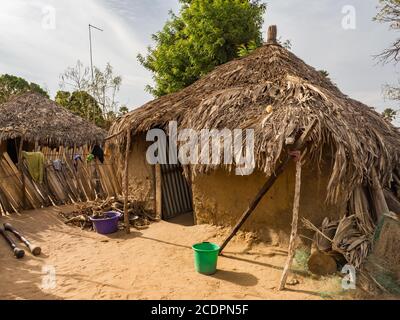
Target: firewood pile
x=343, y=238
x=350, y=239
x=139, y=216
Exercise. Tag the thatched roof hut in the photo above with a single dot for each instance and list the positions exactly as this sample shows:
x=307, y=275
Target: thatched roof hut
x=39, y=119
x=236, y=95
x=351, y=160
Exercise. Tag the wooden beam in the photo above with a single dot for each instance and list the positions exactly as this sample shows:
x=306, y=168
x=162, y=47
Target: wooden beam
x=20, y=164
x=299, y=145
x=158, y=198
x=295, y=221
x=126, y=182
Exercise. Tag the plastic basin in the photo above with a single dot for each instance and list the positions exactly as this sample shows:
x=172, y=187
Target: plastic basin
x=107, y=225
x=206, y=257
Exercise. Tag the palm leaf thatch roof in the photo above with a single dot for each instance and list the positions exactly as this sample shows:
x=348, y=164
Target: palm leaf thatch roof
x=40, y=119
x=240, y=94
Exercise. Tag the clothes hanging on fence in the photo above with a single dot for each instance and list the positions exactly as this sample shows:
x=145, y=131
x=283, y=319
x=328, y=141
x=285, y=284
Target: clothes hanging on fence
x=77, y=157
x=98, y=153
x=35, y=164
x=57, y=165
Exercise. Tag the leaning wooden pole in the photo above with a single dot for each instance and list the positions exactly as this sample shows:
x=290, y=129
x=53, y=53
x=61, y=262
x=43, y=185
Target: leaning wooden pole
x=126, y=182
x=295, y=221
x=21, y=170
x=299, y=145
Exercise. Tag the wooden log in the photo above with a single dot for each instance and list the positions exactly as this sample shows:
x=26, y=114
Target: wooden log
x=299, y=145
x=321, y=264
x=126, y=182
x=295, y=222
x=158, y=198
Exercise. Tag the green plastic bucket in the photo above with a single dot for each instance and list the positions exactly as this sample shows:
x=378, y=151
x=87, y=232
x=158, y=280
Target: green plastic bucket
x=206, y=257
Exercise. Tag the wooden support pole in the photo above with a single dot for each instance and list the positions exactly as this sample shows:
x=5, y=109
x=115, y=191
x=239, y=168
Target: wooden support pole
x=20, y=167
x=293, y=234
x=299, y=145
x=158, y=177
x=126, y=182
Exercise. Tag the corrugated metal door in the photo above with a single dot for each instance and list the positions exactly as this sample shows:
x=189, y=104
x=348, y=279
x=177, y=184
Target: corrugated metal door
x=176, y=192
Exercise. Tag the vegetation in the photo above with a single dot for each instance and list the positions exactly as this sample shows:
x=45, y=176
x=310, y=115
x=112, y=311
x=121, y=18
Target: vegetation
x=204, y=35
x=11, y=85
x=92, y=98
x=390, y=114
x=389, y=12
x=83, y=104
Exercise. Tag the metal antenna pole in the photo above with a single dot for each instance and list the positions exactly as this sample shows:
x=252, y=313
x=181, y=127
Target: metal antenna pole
x=91, y=62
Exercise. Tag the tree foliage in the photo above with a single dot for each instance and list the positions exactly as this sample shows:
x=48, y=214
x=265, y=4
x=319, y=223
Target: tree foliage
x=11, y=85
x=205, y=34
x=82, y=104
x=104, y=86
x=390, y=114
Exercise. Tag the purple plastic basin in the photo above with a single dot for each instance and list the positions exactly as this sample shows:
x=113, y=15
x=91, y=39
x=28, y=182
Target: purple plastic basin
x=107, y=225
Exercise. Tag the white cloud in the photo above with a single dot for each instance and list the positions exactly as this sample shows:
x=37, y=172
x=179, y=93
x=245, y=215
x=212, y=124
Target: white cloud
x=314, y=26
x=40, y=55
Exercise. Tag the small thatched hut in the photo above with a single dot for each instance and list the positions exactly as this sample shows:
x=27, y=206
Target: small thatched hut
x=351, y=147
x=43, y=122
x=62, y=140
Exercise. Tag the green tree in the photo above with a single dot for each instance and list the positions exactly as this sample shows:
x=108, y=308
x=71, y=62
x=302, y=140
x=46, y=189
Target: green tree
x=123, y=110
x=11, y=85
x=205, y=34
x=82, y=104
x=390, y=114
x=104, y=87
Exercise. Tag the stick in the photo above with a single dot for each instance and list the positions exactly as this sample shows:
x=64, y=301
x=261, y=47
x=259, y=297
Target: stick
x=299, y=145
x=35, y=250
x=293, y=235
x=18, y=253
x=20, y=164
x=126, y=182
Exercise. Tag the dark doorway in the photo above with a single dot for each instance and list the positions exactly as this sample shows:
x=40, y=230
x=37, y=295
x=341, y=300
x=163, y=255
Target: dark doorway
x=176, y=192
x=12, y=149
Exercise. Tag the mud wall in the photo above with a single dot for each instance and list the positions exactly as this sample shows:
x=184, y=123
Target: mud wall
x=220, y=198
x=141, y=173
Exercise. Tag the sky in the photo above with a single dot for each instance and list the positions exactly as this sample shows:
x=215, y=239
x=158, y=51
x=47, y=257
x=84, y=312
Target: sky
x=39, y=39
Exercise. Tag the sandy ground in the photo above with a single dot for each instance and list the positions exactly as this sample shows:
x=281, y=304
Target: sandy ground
x=156, y=263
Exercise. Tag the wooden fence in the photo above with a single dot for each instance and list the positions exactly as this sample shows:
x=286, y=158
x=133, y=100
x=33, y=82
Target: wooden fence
x=74, y=181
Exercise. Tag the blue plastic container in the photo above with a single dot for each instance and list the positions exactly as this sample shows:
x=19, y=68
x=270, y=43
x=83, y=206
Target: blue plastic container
x=108, y=224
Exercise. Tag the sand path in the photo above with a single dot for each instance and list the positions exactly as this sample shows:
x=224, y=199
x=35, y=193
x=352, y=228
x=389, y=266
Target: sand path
x=155, y=263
